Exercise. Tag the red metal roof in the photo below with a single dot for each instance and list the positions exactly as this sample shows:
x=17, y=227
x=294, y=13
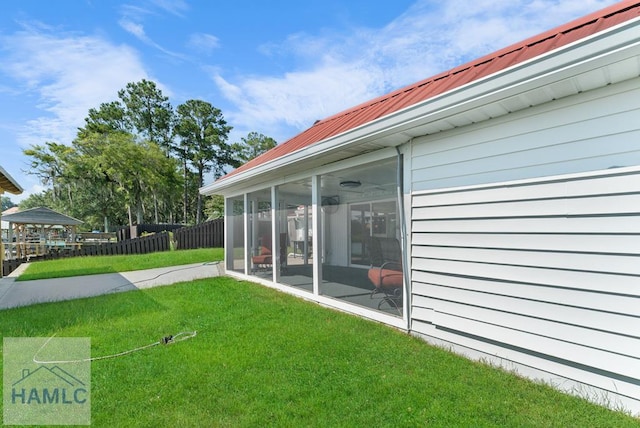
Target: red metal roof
x=456, y=77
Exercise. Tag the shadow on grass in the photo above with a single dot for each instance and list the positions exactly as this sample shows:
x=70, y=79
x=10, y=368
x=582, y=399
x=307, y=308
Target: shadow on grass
x=65, y=273
x=45, y=319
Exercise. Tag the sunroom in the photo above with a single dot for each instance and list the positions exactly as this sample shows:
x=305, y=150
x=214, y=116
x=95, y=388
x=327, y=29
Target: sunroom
x=331, y=233
x=495, y=204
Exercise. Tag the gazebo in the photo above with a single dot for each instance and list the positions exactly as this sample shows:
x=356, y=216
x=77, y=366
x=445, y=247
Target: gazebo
x=39, y=230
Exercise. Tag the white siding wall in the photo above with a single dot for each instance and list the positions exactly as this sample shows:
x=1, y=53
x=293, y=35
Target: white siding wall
x=591, y=131
x=543, y=273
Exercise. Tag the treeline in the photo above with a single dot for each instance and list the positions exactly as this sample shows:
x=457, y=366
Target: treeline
x=139, y=160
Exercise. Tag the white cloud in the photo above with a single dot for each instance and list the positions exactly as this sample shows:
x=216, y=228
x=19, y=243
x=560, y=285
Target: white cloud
x=145, y=8
x=341, y=71
x=298, y=98
x=68, y=74
x=203, y=43
x=135, y=29
x=175, y=7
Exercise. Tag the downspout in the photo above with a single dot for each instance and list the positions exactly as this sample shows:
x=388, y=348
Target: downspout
x=403, y=239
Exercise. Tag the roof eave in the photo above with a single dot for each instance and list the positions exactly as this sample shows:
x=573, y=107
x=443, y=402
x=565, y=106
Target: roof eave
x=8, y=183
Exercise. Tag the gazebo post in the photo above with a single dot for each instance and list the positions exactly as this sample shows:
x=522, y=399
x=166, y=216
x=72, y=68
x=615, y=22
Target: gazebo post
x=10, y=243
x=18, y=244
x=41, y=246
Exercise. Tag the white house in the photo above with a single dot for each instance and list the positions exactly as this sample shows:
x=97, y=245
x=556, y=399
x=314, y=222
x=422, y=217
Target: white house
x=512, y=186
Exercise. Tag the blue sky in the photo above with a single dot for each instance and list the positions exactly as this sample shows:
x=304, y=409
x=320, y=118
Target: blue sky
x=272, y=67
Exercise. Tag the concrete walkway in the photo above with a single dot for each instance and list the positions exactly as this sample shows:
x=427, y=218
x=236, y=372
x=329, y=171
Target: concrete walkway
x=22, y=293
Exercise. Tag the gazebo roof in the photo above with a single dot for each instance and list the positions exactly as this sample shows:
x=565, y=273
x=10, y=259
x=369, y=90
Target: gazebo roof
x=41, y=215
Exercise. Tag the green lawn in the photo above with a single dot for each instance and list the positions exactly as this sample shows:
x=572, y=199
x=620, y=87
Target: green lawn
x=265, y=358
x=75, y=266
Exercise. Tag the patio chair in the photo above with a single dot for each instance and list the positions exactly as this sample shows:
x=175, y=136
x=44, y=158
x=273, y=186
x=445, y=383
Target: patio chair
x=264, y=258
x=385, y=272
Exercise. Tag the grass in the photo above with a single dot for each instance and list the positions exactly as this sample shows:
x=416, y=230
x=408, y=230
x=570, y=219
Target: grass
x=265, y=358
x=75, y=266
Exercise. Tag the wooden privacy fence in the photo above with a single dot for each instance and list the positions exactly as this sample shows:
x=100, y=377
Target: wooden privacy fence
x=144, y=245
x=205, y=235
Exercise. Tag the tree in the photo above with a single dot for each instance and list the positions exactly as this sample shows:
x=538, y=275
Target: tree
x=148, y=112
x=96, y=191
x=36, y=200
x=144, y=113
x=110, y=117
x=253, y=145
x=135, y=168
x=48, y=163
x=214, y=207
x=203, y=133
x=6, y=203
x=127, y=162
x=163, y=180
x=183, y=150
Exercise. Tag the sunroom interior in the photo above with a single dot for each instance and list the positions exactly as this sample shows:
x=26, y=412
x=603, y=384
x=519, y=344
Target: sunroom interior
x=271, y=235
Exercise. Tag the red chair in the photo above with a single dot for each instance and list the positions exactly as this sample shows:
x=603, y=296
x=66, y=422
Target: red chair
x=264, y=259
x=385, y=272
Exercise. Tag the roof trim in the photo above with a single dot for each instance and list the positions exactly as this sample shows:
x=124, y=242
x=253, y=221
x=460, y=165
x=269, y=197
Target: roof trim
x=8, y=183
